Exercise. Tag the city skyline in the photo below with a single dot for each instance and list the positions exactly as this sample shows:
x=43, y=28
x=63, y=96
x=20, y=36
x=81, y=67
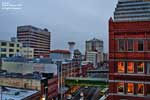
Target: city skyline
x=76, y=21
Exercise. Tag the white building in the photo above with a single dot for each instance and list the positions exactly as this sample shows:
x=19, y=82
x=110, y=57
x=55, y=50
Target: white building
x=60, y=55
x=17, y=94
x=93, y=58
x=95, y=45
x=21, y=67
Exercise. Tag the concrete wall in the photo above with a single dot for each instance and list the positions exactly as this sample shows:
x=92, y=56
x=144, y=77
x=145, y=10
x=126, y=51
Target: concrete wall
x=21, y=67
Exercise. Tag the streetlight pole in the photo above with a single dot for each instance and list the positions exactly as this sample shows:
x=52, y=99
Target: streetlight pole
x=59, y=72
x=1, y=92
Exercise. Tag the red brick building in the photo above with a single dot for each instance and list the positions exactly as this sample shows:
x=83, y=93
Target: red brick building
x=129, y=54
x=129, y=51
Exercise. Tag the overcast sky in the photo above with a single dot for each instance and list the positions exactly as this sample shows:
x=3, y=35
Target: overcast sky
x=67, y=20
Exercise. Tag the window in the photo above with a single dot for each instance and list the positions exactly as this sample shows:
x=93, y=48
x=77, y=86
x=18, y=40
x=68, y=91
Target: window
x=140, y=45
x=18, y=45
x=130, y=68
x=130, y=45
x=130, y=88
x=140, y=67
x=120, y=87
x=3, y=55
x=11, y=44
x=121, y=67
x=3, y=44
x=148, y=89
x=10, y=55
x=3, y=50
x=148, y=67
x=121, y=45
x=17, y=50
x=141, y=89
x=11, y=50
x=148, y=45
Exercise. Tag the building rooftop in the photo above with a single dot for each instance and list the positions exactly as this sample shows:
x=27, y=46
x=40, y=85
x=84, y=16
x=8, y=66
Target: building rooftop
x=34, y=75
x=94, y=39
x=60, y=51
x=132, y=10
x=7, y=93
x=31, y=28
x=71, y=42
x=23, y=59
x=9, y=41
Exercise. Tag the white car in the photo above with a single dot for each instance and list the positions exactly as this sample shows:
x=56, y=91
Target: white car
x=81, y=98
x=69, y=97
x=86, y=87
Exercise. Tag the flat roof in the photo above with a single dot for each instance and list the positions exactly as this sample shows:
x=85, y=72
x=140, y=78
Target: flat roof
x=60, y=51
x=8, y=93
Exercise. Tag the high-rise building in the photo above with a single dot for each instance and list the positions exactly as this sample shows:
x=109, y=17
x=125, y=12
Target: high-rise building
x=94, y=45
x=36, y=38
x=132, y=10
x=129, y=51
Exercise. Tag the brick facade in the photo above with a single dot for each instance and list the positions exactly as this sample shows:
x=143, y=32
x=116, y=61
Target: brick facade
x=129, y=31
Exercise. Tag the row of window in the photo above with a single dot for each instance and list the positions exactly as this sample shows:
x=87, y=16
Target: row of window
x=10, y=44
x=11, y=55
x=10, y=50
x=131, y=88
x=5, y=55
x=28, y=51
x=27, y=56
x=130, y=66
x=131, y=44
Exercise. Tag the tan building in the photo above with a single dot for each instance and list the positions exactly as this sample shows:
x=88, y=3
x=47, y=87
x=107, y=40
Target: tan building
x=27, y=52
x=12, y=48
x=9, y=48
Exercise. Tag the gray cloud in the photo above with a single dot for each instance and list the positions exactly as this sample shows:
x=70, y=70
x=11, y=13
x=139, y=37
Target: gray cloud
x=68, y=20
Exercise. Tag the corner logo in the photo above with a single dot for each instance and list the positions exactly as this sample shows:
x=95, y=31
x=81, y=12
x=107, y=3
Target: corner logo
x=7, y=5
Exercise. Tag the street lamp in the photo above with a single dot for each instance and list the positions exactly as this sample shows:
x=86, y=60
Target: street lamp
x=43, y=98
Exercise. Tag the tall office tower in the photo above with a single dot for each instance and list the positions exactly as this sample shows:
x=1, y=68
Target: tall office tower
x=94, y=48
x=132, y=10
x=129, y=51
x=94, y=45
x=36, y=38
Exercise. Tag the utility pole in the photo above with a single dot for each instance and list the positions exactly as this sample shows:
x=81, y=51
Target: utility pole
x=46, y=77
x=59, y=72
x=1, y=92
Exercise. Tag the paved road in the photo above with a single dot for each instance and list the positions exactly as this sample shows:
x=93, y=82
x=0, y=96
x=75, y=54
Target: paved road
x=90, y=93
x=96, y=95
